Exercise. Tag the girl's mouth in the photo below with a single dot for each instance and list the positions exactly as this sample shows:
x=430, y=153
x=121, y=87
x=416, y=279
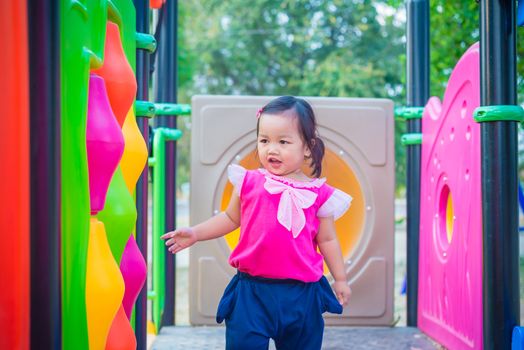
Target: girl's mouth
x=274, y=161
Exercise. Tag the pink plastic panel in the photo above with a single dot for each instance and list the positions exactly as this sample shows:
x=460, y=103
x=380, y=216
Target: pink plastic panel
x=450, y=263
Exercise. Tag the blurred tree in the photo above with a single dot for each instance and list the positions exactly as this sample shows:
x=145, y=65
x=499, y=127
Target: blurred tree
x=186, y=71
x=285, y=47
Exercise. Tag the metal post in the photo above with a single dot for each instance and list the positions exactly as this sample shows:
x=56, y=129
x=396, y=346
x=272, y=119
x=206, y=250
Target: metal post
x=44, y=63
x=417, y=96
x=160, y=140
x=142, y=77
x=499, y=175
x=166, y=87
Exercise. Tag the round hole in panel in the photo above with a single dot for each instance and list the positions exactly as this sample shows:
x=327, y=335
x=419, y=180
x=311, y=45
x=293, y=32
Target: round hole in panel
x=446, y=217
x=339, y=175
x=464, y=109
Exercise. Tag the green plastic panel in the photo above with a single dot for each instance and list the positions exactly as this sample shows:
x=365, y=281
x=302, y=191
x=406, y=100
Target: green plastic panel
x=82, y=33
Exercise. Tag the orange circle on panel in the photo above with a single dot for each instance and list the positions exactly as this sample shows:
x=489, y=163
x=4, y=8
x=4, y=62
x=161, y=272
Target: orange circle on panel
x=450, y=217
x=446, y=217
x=339, y=175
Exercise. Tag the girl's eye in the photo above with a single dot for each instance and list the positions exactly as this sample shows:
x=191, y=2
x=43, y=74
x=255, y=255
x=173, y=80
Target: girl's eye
x=284, y=142
x=262, y=141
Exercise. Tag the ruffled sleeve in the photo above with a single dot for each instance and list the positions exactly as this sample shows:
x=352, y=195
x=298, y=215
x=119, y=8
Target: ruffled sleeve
x=336, y=205
x=236, y=175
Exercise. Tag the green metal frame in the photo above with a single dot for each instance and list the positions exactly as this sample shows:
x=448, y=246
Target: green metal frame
x=144, y=109
x=149, y=109
x=172, y=109
x=407, y=113
x=156, y=295
x=499, y=114
x=411, y=139
x=145, y=42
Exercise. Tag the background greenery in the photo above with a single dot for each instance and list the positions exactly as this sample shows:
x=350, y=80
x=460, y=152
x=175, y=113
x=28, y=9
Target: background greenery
x=346, y=48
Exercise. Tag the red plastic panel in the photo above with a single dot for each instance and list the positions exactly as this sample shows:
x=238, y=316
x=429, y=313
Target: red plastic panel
x=14, y=178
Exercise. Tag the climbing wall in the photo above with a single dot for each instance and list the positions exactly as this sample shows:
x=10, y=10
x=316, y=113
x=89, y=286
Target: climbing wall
x=103, y=154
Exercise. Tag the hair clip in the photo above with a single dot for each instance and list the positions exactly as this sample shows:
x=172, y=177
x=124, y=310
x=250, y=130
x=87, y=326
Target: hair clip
x=259, y=113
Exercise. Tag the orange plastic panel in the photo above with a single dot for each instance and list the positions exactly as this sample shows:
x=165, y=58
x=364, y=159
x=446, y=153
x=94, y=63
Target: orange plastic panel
x=121, y=335
x=156, y=4
x=14, y=182
x=118, y=74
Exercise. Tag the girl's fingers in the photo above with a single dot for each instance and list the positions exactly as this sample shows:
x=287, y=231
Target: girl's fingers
x=346, y=297
x=176, y=249
x=168, y=235
x=343, y=298
x=340, y=298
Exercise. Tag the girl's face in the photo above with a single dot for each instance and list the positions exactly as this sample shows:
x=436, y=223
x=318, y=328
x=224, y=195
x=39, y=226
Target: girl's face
x=280, y=146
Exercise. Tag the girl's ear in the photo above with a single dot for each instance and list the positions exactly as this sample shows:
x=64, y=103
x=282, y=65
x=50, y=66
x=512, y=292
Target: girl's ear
x=307, y=153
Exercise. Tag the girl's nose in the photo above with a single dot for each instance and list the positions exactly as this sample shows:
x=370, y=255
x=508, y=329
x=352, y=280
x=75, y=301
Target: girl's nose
x=272, y=149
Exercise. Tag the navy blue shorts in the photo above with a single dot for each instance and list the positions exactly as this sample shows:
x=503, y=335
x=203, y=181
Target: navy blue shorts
x=288, y=311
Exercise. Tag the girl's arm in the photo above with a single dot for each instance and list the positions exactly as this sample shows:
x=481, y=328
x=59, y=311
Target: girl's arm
x=220, y=224
x=330, y=249
x=214, y=227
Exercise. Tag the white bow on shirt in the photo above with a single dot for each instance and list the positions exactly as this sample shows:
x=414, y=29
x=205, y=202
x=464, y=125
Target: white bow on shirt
x=292, y=203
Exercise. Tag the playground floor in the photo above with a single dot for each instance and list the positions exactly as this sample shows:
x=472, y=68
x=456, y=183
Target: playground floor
x=335, y=338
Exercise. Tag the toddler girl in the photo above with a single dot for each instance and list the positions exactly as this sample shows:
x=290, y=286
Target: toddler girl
x=287, y=230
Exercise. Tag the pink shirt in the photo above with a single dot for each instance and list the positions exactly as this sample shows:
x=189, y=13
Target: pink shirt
x=279, y=223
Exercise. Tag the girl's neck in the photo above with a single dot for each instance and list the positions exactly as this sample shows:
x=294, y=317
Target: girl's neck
x=296, y=175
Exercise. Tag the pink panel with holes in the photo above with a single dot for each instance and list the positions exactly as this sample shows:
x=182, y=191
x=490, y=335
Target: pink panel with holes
x=450, y=263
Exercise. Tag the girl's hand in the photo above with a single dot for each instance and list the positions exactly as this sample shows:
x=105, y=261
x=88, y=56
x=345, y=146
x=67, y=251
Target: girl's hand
x=180, y=239
x=342, y=291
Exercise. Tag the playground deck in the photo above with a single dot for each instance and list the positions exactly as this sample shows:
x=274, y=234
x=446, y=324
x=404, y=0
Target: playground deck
x=335, y=338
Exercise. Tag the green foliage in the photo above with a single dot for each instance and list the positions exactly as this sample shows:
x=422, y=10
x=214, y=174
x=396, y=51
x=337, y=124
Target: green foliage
x=454, y=26
x=325, y=48
x=186, y=71
x=186, y=56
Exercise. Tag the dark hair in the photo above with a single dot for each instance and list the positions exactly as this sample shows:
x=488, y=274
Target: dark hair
x=307, y=123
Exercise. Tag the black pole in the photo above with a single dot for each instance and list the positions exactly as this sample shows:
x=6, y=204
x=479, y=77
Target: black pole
x=44, y=80
x=499, y=175
x=417, y=96
x=142, y=77
x=166, y=84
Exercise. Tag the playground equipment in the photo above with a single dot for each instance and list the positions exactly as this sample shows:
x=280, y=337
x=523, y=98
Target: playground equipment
x=78, y=226
x=450, y=274
x=99, y=171
x=497, y=117
x=158, y=164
